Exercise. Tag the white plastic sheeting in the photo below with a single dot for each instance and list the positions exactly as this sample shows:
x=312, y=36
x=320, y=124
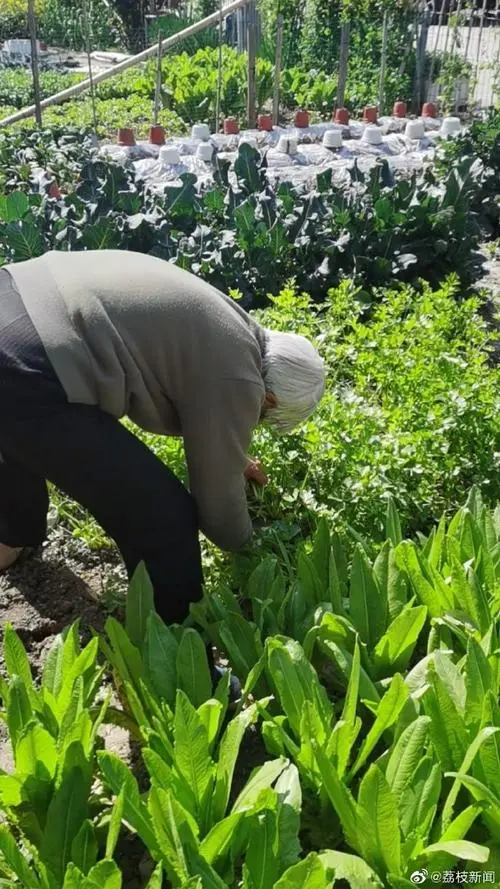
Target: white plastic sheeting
x=311, y=157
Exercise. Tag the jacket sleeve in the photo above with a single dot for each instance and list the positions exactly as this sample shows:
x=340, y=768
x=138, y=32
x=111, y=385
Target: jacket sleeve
x=217, y=429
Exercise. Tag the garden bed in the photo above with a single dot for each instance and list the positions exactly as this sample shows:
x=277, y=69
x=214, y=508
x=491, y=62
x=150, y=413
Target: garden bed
x=362, y=620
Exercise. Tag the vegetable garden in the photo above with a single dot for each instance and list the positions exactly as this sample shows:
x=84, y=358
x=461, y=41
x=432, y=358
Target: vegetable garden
x=363, y=621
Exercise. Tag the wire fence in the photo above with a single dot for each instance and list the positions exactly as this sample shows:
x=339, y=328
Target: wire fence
x=452, y=49
x=467, y=38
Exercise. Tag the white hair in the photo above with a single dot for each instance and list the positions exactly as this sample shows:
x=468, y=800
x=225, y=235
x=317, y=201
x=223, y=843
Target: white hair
x=294, y=372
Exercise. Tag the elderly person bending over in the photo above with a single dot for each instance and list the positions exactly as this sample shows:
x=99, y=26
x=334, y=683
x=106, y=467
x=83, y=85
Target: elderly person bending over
x=88, y=338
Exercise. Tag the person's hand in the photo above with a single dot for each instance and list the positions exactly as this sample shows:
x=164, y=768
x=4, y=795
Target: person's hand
x=255, y=473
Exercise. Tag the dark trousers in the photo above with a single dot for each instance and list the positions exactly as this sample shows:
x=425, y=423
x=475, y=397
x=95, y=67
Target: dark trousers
x=95, y=460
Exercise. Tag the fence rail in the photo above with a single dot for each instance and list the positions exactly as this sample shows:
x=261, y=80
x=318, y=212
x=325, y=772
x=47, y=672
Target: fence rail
x=85, y=85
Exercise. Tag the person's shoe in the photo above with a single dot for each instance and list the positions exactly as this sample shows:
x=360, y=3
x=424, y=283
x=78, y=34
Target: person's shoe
x=9, y=555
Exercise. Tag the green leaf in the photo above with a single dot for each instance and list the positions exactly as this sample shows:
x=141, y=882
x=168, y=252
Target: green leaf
x=193, y=674
x=310, y=583
x=55, y=667
x=465, y=593
x=478, y=682
x=418, y=803
x=388, y=713
x=489, y=755
x=347, y=728
x=340, y=797
x=296, y=681
x=246, y=169
x=220, y=838
x=321, y=552
x=173, y=832
x=368, y=608
x=104, y=875
x=11, y=791
x=354, y=870
x=115, y=824
x=35, y=749
x=160, y=655
x=19, y=712
x=120, y=778
x=289, y=805
x=74, y=879
x=139, y=605
x=192, y=756
x=261, y=778
x=413, y=563
x=11, y=854
x=100, y=235
x=448, y=730
x=391, y=580
x=261, y=579
x=340, y=560
x=406, y=756
x=25, y=239
x=262, y=858
x=240, y=639
x=124, y=656
x=156, y=880
x=459, y=849
x=244, y=220
x=66, y=813
x=378, y=822
x=392, y=524
x=460, y=826
x=15, y=658
x=84, y=848
x=307, y=874
x=13, y=207
x=211, y=714
x=469, y=757
x=395, y=648
x=334, y=585
x=344, y=660
x=228, y=754
x=479, y=791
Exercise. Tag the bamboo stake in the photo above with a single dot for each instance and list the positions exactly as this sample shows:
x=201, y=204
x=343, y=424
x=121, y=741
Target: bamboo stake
x=84, y=85
x=436, y=47
x=469, y=33
x=496, y=67
x=158, y=77
x=277, y=69
x=383, y=62
x=343, y=62
x=479, y=36
x=252, y=51
x=219, y=73
x=34, y=62
x=86, y=18
x=455, y=46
